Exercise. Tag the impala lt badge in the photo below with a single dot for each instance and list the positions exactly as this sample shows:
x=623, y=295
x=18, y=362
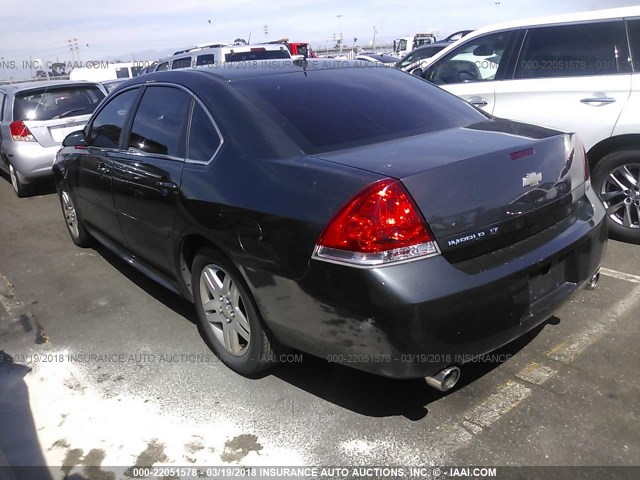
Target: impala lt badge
x=532, y=179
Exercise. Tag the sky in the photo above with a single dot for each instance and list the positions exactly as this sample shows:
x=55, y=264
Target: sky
x=138, y=29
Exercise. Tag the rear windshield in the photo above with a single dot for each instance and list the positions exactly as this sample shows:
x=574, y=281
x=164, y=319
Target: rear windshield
x=56, y=102
x=326, y=110
x=256, y=54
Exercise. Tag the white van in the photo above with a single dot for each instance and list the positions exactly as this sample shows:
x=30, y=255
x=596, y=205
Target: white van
x=579, y=73
x=102, y=71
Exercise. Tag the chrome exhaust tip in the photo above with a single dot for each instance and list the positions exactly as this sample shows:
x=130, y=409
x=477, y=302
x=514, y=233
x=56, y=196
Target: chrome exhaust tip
x=593, y=281
x=445, y=380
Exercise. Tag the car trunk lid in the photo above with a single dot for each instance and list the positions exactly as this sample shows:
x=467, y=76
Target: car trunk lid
x=487, y=185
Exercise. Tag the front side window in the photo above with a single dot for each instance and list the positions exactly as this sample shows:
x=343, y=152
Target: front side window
x=160, y=124
x=203, y=137
x=107, y=126
x=476, y=61
x=574, y=50
x=162, y=67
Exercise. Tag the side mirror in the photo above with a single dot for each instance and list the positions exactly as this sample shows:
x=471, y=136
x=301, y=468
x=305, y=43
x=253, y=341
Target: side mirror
x=75, y=139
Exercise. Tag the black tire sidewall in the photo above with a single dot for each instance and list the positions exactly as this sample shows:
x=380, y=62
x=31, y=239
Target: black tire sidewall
x=255, y=358
x=600, y=173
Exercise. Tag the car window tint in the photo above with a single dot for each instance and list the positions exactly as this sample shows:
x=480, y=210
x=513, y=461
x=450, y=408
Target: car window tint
x=106, y=128
x=574, y=50
x=633, y=27
x=476, y=61
x=56, y=102
x=122, y=72
x=160, y=124
x=181, y=63
x=203, y=136
x=162, y=67
x=322, y=110
x=208, y=59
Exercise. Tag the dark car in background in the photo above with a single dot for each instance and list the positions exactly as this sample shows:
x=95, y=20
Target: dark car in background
x=413, y=60
x=34, y=119
x=403, y=236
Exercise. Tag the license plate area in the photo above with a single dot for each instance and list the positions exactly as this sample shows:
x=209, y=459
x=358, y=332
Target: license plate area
x=547, y=279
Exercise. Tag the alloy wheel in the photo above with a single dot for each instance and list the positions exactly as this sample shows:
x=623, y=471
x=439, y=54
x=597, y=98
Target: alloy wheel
x=14, y=178
x=620, y=194
x=225, y=310
x=70, y=215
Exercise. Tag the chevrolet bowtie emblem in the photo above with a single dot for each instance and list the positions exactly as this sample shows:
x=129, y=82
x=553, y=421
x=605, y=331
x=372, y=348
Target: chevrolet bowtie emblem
x=532, y=179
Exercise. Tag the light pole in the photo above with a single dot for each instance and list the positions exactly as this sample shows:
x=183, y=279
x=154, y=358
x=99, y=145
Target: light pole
x=497, y=4
x=266, y=33
x=340, y=30
x=374, y=38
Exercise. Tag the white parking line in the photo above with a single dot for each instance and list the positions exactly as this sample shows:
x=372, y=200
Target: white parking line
x=620, y=275
x=505, y=399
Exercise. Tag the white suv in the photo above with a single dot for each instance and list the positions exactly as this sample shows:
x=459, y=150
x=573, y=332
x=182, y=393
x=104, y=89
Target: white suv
x=579, y=73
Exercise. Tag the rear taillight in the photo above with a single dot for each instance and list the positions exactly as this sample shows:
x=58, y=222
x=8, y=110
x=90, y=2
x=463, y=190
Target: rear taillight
x=20, y=132
x=381, y=224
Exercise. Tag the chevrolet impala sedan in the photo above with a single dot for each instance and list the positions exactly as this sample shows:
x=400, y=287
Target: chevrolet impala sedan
x=357, y=214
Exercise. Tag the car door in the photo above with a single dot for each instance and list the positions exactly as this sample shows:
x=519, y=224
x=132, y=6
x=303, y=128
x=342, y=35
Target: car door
x=92, y=182
x=629, y=120
x=573, y=77
x=472, y=70
x=147, y=175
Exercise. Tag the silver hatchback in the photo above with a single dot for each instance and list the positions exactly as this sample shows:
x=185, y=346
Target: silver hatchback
x=34, y=119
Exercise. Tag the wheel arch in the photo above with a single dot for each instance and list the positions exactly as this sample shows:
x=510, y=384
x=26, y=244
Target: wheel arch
x=612, y=144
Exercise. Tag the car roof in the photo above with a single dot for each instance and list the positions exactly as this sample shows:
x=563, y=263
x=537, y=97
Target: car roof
x=36, y=84
x=564, y=18
x=235, y=71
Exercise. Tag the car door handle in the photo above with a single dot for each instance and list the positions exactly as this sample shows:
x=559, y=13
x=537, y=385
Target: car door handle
x=478, y=102
x=591, y=100
x=167, y=186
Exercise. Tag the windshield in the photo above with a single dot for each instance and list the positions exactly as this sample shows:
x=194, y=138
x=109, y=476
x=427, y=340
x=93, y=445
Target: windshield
x=56, y=102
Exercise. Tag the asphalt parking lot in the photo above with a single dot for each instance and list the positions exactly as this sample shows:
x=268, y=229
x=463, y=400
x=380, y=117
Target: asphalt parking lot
x=101, y=366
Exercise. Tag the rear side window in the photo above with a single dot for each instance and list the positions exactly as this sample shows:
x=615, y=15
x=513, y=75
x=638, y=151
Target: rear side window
x=345, y=107
x=106, y=128
x=208, y=59
x=478, y=60
x=160, y=124
x=574, y=50
x=56, y=102
x=633, y=27
x=122, y=72
x=181, y=63
x=204, y=139
x=257, y=54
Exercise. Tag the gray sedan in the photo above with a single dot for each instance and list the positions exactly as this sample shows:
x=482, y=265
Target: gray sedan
x=34, y=119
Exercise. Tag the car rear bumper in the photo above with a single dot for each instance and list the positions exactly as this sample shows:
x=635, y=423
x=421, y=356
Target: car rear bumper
x=31, y=159
x=411, y=320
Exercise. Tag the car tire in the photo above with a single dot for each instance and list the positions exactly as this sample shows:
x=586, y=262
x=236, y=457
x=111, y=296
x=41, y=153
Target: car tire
x=22, y=189
x=77, y=231
x=616, y=179
x=228, y=316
